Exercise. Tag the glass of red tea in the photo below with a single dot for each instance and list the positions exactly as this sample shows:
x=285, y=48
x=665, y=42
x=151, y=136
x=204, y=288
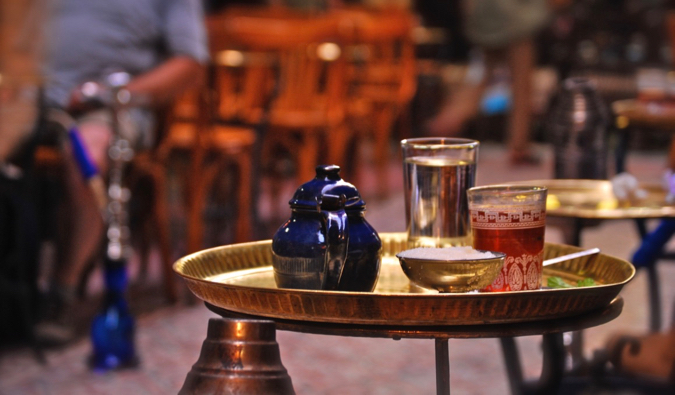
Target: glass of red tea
x=511, y=219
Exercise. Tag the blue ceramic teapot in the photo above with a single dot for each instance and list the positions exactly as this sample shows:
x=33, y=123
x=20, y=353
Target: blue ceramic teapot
x=327, y=243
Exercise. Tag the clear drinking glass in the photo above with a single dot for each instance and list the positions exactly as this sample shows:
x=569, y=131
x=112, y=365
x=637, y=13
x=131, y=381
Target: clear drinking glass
x=512, y=220
x=437, y=172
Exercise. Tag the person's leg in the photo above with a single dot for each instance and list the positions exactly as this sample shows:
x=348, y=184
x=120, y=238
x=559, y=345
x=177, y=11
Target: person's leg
x=464, y=104
x=653, y=244
x=80, y=207
x=521, y=60
x=81, y=228
x=455, y=112
x=650, y=355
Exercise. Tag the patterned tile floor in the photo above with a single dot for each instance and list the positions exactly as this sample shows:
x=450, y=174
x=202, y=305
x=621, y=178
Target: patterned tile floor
x=169, y=338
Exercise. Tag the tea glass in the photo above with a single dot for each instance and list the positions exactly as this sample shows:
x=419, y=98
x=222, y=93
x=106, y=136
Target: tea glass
x=511, y=219
x=437, y=172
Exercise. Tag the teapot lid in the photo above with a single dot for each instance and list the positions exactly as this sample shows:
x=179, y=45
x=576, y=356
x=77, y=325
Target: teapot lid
x=327, y=181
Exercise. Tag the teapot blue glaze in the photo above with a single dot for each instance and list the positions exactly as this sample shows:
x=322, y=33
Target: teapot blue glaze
x=327, y=243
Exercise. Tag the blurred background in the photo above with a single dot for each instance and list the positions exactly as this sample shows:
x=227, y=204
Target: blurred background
x=284, y=86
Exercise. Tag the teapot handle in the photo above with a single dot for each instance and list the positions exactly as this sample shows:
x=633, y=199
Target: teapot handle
x=337, y=239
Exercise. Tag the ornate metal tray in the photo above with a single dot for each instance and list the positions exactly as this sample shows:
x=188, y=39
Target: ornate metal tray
x=239, y=278
x=594, y=199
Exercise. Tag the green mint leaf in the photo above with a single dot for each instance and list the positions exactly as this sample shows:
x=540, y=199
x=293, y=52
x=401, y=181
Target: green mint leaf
x=586, y=282
x=557, y=282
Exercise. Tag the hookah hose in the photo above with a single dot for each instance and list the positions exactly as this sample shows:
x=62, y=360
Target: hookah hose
x=70, y=142
x=87, y=167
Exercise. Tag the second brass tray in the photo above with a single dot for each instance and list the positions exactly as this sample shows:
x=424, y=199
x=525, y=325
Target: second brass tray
x=594, y=199
x=240, y=278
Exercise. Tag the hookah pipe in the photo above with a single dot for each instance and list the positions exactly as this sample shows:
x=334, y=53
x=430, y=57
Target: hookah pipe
x=113, y=329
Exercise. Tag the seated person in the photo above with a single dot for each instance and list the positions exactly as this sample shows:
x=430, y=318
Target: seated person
x=162, y=45
x=651, y=355
x=504, y=31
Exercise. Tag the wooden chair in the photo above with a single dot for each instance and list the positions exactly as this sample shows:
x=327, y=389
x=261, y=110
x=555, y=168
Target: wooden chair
x=212, y=148
x=306, y=116
x=382, y=77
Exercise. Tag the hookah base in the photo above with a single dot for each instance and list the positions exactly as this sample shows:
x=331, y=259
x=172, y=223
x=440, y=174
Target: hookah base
x=104, y=363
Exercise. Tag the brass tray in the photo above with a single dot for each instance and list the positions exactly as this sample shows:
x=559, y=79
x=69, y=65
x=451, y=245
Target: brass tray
x=650, y=114
x=594, y=199
x=239, y=278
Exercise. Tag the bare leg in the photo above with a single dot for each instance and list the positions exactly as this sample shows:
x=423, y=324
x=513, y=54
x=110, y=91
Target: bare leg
x=465, y=102
x=462, y=106
x=521, y=63
x=83, y=228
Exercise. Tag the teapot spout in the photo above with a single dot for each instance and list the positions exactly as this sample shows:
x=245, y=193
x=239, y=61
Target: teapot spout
x=332, y=208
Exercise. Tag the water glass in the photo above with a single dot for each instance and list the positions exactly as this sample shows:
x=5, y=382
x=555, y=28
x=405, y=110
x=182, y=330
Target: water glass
x=437, y=172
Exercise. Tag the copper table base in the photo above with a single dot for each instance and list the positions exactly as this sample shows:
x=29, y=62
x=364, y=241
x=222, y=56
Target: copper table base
x=552, y=329
x=239, y=356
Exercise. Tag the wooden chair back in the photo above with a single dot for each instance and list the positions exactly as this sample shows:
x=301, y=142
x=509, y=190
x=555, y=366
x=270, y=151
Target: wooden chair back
x=309, y=66
x=381, y=52
x=308, y=91
x=242, y=73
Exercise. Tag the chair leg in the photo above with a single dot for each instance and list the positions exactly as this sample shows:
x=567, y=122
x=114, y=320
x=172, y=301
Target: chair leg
x=268, y=156
x=257, y=176
x=654, y=299
x=243, y=223
x=404, y=122
x=195, y=228
x=143, y=246
x=141, y=239
x=338, y=142
x=157, y=224
x=162, y=227
x=307, y=157
x=382, y=132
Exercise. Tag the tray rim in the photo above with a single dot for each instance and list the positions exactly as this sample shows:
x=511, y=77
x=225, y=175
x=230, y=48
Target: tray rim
x=178, y=271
